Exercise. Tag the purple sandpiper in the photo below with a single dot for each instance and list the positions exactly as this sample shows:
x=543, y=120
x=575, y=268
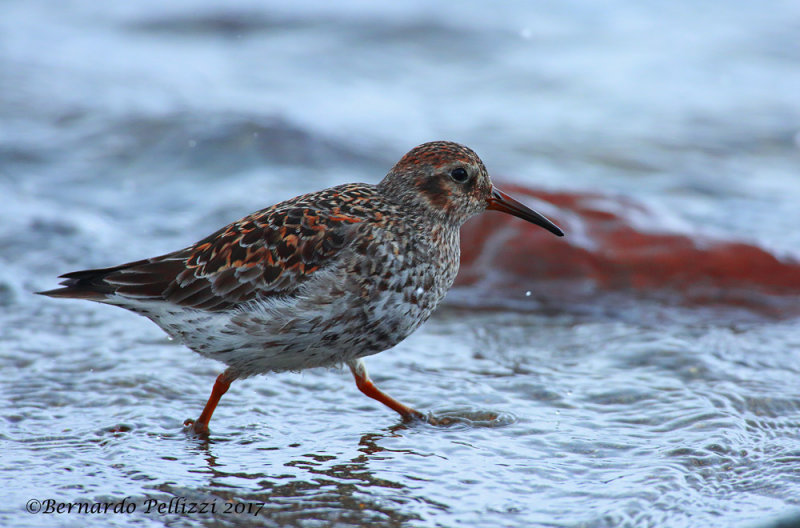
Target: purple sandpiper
x=322, y=279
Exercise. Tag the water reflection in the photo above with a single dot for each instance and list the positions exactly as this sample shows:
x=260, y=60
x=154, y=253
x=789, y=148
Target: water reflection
x=345, y=492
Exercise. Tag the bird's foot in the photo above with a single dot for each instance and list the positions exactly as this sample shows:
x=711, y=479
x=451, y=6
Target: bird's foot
x=198, y=428
x=416, y=416
x=439, y=420
x=412, y=415
x=478, y=418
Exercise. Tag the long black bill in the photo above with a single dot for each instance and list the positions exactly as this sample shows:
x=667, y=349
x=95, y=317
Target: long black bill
x=500, y=201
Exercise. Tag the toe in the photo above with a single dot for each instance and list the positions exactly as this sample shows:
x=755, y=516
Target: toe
x=198, y=428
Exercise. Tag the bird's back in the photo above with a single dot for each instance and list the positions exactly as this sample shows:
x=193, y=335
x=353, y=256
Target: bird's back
x=315, y=280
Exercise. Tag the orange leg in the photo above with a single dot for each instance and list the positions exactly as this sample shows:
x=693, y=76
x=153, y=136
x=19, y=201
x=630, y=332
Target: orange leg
x=366, y=386
x=220, y=387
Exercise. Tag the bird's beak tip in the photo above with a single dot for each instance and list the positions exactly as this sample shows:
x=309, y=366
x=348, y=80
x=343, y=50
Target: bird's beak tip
x=500, y=201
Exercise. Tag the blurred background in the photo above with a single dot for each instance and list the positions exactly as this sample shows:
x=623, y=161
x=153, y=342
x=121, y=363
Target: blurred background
x=129, y=129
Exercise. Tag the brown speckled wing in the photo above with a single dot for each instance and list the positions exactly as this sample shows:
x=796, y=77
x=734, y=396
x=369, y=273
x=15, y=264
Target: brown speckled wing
x=271, y=252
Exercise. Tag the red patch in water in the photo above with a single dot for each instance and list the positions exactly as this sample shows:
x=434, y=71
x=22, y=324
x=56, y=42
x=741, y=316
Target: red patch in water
x=605, y=250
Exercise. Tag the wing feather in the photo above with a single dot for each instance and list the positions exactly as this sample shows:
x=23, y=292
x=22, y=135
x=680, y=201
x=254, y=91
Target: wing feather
x=272, y=252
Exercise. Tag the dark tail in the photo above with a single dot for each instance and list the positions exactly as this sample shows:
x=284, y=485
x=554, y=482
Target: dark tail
x=143, y=279
x=87, y=284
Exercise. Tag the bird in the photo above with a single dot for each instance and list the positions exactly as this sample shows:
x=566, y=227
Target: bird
x=323, y=279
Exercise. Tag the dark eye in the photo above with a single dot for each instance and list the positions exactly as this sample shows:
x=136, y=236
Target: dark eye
x=460, y=175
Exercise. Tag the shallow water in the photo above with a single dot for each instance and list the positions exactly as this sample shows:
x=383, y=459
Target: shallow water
x=129, y=130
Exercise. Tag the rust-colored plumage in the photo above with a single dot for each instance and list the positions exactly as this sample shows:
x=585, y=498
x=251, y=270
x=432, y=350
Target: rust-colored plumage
x=271, y=252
